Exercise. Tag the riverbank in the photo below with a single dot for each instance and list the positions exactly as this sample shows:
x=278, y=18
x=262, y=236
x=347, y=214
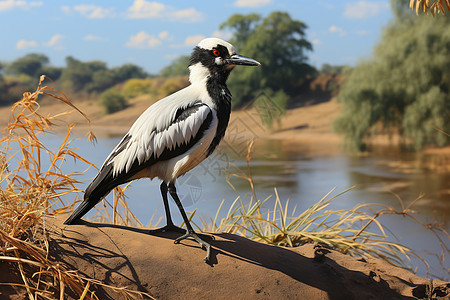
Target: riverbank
x=130, y=257
x=309, y=123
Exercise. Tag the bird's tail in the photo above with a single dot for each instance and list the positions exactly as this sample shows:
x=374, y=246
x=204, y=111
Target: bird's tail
x=81, y=210
x=99, y=188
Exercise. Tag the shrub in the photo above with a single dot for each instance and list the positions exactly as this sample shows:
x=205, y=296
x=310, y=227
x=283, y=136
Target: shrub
x=113, y=101
x=172, y=85
x=136, y=86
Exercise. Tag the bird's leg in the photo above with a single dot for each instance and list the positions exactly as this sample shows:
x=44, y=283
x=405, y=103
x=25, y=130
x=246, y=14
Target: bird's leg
x=170, y=226
x=190, y=231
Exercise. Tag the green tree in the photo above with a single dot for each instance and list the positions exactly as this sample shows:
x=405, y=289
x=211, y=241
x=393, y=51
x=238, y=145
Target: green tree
x=76, y=75
x=102, y=80
x=53, y=72
x=278, y=42
x=178, y=67
x=405, y=88
x=30, y=64
x=128, y=71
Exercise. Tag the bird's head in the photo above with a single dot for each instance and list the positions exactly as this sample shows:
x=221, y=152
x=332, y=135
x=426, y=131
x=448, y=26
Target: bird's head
x=215, y=57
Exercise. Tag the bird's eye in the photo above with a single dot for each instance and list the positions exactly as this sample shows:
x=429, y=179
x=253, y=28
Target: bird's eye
x=216, y=52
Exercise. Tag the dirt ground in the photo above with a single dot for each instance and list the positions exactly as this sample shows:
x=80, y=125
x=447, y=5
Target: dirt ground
x=240, y=268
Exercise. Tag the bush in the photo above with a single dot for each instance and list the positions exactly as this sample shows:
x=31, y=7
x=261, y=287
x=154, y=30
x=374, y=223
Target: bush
x=136, y=86
x=113, y=101
x=172, y=85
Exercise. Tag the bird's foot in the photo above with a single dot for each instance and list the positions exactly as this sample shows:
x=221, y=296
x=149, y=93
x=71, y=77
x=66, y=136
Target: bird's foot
x=168, y=227
x=197, y=238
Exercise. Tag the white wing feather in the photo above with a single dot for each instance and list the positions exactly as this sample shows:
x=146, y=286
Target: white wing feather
x=155, y=131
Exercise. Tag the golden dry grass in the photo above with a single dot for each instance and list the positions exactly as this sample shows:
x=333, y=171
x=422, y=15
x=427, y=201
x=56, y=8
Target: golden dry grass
x=33, y=189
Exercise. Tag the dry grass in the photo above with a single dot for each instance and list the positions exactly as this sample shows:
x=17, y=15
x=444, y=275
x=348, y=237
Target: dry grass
x=33, y=188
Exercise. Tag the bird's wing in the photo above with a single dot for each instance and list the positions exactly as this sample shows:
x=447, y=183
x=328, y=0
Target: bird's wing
x=145, y=146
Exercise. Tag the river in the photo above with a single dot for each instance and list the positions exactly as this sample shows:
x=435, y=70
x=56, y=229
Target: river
x=303, y=174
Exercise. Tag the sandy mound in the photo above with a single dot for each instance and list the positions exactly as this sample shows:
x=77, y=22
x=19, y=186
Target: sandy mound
x=240, y=269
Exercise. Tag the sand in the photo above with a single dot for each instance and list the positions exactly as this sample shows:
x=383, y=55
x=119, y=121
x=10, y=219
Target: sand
x=240, y=268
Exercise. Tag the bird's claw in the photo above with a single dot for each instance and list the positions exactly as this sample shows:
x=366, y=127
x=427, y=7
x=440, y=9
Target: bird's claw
x=196, y=237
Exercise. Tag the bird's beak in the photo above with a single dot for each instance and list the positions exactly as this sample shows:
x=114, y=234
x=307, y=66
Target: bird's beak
x=237, y=59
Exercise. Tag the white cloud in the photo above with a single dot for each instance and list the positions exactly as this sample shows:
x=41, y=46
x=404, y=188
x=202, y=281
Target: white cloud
x=11, y=4
x=23, y=44
x=66, y=9
x=171, y=56
x=222, y=35
x=362, y=32
x=95, y=38
x=142, y=9
x=165, y=35
x=143, y=40
x=91, y=11
x=193, y=40
x=56, y=42
x=316, y=42
x=338, y=30
x=190, y=15
x=364, y=9
x=252, y=3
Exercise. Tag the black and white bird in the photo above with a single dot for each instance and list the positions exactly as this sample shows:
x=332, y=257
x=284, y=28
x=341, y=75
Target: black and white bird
x=174, y=134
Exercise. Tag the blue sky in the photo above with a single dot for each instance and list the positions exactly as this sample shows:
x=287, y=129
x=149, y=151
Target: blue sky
x=152, y=33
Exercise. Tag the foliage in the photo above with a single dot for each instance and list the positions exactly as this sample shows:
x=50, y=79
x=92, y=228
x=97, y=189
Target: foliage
x=30, y=64
x=128, y=71
x=95, y=76
x=171, y=85
x=327, y=69
x=113, y=101
x=136, y=86
x=178, y=67
x=283, y=63
x=404, y=89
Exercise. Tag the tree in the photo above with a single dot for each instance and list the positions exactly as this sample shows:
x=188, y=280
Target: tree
x=76, y=75
x=95, y=76
x=128, y=71
x=279, y=44
x=30, y=64
x=178, y=67
x=405, y=88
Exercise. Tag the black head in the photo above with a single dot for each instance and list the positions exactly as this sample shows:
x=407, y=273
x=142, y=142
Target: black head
x=215, y=57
